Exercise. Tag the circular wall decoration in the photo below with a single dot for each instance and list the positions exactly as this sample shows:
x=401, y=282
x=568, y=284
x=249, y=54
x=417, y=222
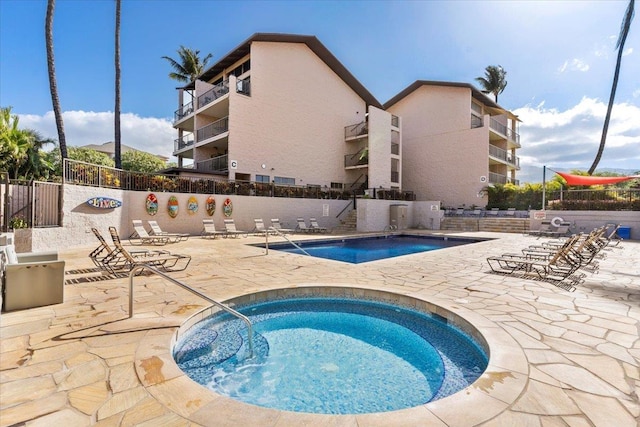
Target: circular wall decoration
x=211, y=205
x=192, y=205
x=227, y=208
x=172, y=206
x=151, y=204
x=557, y=221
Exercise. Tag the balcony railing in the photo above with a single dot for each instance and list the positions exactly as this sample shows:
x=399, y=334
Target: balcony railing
x=357, y=159
x=359, y=129
x=395, y=176
x=244, y=86
x=504, y=155
x=504, y=130
x=213, y=129
x=183, y=142
x=496, y=178
x=476, y=122
x=183, y=112
x=214, y=93
x=395, y=149
x=216, y=164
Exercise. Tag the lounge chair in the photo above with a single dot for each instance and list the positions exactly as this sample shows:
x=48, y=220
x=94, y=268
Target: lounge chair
x=174, y=237
x=493, y=212
x=557, y=268
x=460, y=212
x=302, y=227
x=141, y=237
x=163, y=260
x=209, y=229
x=313, y=223
x=104, y=252
x=275, y=223
x=260, y=228
x=511, y=212
x=231, y=231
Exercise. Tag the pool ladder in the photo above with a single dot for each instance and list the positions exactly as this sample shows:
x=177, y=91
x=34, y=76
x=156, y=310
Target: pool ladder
x=220, y=305
x=266, y=244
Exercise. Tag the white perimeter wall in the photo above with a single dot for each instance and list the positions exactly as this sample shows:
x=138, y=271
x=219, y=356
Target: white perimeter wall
x=374, y=214
x=585, y=221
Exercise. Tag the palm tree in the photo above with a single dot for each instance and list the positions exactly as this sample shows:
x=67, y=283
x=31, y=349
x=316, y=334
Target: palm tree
x=117, y=136
x=624, y=30
x=51, y=4
x=494, y=80
x=190, y=65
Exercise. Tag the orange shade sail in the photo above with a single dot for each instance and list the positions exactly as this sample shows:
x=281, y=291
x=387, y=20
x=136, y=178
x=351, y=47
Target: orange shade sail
x=593, y=180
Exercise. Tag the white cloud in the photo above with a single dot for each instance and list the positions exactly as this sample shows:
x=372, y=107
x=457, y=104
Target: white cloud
x=149, y=134
x=574, y=65
x=570, y=138
x=627, y=51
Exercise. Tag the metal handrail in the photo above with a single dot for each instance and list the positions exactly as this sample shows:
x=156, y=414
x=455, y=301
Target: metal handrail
x=224, y=307
x=266, y=237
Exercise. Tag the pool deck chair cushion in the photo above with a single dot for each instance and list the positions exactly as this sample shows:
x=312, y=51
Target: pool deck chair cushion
x=209, y=229
x=174, y=237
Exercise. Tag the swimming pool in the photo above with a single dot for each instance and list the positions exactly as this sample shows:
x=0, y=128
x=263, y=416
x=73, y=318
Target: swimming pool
x=331, y=356
x=366, y=249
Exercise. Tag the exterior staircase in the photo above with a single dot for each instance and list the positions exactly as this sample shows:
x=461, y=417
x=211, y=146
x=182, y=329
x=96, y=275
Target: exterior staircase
x=348, y=224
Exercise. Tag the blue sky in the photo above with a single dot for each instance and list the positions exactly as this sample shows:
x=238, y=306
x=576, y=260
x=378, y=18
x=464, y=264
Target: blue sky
x=559, y=57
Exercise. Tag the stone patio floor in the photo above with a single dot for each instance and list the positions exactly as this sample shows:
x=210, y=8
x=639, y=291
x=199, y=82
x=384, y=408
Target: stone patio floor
x=84, y=362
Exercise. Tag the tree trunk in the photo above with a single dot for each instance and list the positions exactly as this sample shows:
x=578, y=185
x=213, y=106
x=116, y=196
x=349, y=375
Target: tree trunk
x=51, y=4
x=118, y=153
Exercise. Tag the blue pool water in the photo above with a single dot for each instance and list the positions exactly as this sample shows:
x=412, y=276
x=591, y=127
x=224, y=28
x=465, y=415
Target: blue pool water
x=331, y=356
x=358, y=250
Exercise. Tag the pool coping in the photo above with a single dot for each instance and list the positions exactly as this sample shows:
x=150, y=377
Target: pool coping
x=494, y=391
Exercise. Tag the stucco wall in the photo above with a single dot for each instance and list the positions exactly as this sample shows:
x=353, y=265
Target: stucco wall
x=443, y=158
x=79, y=218
x=374, y=214
x=585, y=221
x=294, y=120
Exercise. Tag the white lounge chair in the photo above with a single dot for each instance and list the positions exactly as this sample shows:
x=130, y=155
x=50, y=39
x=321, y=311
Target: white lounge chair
x=209, y=229
x=231, y=231
x=157, y=231
x=260, y=228
x=316, y=227
x=141, y=237
x=275, y=223
x=302, y=226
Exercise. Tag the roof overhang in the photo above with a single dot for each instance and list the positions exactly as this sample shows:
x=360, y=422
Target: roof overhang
x=311, y=41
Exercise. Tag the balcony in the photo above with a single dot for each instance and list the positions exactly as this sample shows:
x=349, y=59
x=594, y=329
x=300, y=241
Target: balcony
x=395, y=121
x=214, y=93
x=243, y=87
x=496, y=178
x=505, y=156
x=501, y=129
x=395, y=177
x=184, y=142
x=183, y=112
x=356, y=160
x=357, y=131
x=213, y=129
x=395, y=149
x=216, y=164
x=476, y=121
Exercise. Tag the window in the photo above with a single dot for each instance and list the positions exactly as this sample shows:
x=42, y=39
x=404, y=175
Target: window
x=283, y=180
x=263, y=178
x=242, y=68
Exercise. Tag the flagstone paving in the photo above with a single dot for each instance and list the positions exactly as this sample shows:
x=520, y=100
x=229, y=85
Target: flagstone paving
x=85, y=362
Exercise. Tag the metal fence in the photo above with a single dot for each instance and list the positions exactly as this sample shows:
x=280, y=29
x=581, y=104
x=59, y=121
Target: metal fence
x=80, y=173
x=30, y=204
x=595, y=200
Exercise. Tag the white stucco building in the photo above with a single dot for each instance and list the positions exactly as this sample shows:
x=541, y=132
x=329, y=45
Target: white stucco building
x=280, y=108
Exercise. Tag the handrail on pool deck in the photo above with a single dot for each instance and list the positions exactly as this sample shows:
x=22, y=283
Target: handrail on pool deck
x=266, y=242
x=224, y=307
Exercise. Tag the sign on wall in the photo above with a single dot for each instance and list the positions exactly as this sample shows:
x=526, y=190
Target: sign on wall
x=100, y=202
